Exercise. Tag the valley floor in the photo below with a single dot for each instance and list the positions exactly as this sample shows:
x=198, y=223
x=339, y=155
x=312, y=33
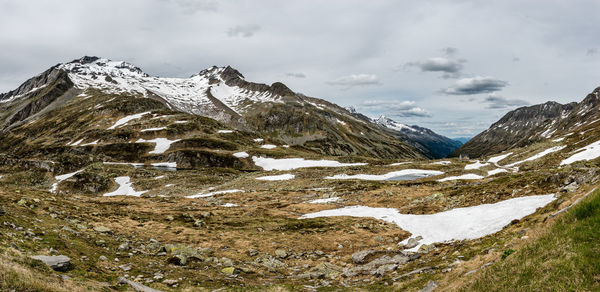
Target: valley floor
x=246, y=233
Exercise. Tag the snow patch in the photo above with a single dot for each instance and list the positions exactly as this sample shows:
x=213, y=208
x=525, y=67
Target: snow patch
x=294, y=163
x=496, y=159
x=162, y=144
x=464, y=176
x=286, y=176
x=456, y=224
x=444, y=162
x=588, y=152
x=414, y=173
x=268, y=146
x=476, y=165
x=324, y=201
x=153, y=129
x=204, y=195
x=224, y=131
x=539, y=155
x=62, y=177
x=125, y=188
x=126, y=120
x=241, y=155
x=496, y=171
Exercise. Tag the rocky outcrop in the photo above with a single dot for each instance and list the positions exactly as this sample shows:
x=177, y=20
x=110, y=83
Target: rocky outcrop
x=518, y=128
x=58, y=263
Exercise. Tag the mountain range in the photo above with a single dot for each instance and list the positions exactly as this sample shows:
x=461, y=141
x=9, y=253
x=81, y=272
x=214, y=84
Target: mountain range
x=223, y=94
x=527, y=125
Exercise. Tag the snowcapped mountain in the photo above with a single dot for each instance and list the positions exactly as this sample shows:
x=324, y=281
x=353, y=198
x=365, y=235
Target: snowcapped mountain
x=219, y=93
x=430, y=143
x=527, y=125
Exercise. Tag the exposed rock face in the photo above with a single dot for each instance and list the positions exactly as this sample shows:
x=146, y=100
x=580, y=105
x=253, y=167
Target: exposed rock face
x=527, y=125
x=517, y=128
x=57, y=263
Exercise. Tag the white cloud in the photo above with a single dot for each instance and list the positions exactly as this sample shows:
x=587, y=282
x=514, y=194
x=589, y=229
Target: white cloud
x=355, y=80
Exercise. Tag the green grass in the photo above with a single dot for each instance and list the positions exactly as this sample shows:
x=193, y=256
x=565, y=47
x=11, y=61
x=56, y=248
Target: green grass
x=565, y=258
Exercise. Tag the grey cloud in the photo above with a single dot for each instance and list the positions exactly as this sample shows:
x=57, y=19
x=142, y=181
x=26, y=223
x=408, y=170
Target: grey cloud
x=355, y=80
x=450, y=51
x=295, y=75
x=498, y=102
x=450, y=68
x=475, y=85
x=395, y=108
x=592, y=51
x=193, y=6
x=243, y=30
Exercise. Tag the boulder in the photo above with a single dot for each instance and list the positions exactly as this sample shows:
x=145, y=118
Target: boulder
x=57, y=263
x=359, y=257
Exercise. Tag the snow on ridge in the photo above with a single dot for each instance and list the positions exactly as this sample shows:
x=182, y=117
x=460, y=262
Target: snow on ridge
x=293, y=163
x=162, y=144
x=126, y=120
x=125, y=188
x=589, y=152
x=286, y=176
x=417, y=173
x=268, y=146
x=184, y=93
x=455, y=224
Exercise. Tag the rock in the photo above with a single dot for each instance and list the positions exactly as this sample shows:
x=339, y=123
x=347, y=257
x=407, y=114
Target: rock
x=22, y=202
x=182, y=254
x=198, y=223
x=102, y=229
x=170, y=282
x=125, y=268
x=412, y=242
x=100, y=242
x=325, y=271
x=103, y=258
x=359, y=257
x=170, y=218
x=379, y=238
x=137, y=286
x=281, y=253
x=378, y=266
x=230, y=271
x=123, y=246
x=57, y=263
x=426, y=248
x=252, y=252
x=272, y=264
x=2, y=211
x=431, y=285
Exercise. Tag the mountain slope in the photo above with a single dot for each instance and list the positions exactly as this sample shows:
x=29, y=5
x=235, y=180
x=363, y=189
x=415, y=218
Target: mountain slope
x=527, y=125
x=219, y=93
x=430, y=143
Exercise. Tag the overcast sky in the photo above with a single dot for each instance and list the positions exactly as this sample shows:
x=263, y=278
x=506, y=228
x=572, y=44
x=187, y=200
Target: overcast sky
x=452, y=66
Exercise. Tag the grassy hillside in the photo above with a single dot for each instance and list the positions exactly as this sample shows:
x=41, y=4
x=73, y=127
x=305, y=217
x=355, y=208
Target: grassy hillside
x=563, y=259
